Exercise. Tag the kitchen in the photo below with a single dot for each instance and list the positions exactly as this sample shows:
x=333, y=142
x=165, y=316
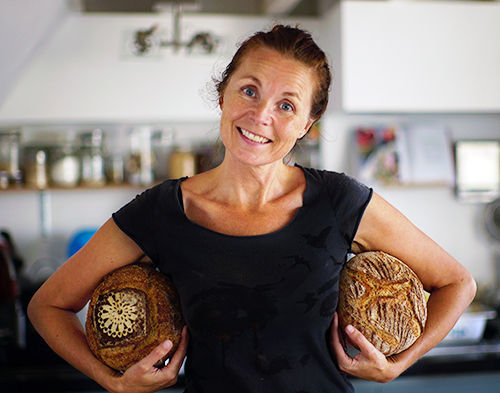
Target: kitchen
x=67, y=70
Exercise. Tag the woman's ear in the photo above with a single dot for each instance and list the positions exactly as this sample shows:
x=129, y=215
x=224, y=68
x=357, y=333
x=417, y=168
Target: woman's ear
x=220, y=102
x=306, y=129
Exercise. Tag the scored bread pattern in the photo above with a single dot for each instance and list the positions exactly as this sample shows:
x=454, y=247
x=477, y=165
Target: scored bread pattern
x=120, y=313
x=384, y=299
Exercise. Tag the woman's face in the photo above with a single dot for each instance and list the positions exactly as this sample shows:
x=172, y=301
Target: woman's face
x=266, y=107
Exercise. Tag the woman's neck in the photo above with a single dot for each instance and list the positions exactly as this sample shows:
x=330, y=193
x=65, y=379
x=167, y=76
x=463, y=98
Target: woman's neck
x=249, y=186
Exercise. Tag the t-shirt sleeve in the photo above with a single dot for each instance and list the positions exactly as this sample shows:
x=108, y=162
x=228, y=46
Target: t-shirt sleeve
x=137, y=220
x=349, y=200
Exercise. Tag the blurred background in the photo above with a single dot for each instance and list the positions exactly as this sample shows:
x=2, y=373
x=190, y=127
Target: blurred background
x=100, y=100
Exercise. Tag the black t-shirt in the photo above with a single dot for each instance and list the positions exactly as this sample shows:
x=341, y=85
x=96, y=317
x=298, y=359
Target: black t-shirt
x=258, y=308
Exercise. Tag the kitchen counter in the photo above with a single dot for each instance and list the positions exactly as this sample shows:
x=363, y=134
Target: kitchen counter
x=39, y=370
x=463, y=383
x=52, y=379
x=474, y=362
x=481, y=357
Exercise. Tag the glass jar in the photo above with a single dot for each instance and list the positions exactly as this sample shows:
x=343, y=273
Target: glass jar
x=92, y=158
x=9, y=157
x=36, y=165
x=65, y=165
x=182, y=162
x=140, y=164
x=162, y=146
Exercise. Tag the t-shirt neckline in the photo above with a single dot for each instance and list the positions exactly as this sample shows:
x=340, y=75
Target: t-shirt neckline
x=299, y=211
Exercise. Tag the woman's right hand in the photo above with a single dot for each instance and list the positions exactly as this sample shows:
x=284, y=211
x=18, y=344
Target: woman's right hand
x=144, y=377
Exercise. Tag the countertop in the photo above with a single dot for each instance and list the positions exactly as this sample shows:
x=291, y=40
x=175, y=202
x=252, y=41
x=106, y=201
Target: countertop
x=38, y=369
x=442, y=363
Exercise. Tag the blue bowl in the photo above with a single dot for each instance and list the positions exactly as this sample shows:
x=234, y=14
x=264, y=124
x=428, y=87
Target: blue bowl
x=79, y=240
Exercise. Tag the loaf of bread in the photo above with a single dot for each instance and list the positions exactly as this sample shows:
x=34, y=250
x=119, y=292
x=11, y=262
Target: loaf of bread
x=134, y=309
x=384, y=299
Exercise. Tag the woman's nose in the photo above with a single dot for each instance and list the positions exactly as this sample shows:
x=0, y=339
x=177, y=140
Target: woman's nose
x=261, y=113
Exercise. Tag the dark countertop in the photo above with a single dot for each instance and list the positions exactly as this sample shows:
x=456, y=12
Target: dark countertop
x=37, y=369
x=48, y=379
x=61, y=377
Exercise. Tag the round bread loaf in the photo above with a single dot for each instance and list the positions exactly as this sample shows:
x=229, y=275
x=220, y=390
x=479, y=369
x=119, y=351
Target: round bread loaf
x=384, y=299
x=134, y=309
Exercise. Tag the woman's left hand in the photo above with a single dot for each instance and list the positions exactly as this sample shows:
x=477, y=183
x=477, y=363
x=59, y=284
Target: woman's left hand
x=369, y=364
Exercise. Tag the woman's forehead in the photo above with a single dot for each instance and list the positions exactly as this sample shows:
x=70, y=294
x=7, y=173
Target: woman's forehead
x=266, y=63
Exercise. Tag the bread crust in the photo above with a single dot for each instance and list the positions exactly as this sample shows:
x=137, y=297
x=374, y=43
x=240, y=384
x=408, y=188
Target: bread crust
x=384, y=299
x=133, y=310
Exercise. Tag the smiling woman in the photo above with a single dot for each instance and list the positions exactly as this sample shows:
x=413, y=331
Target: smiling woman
x=255, y=248
x=266, y=107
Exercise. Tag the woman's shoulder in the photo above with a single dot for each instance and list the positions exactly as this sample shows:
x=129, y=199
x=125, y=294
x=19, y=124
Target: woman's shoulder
x=338, y=185
x=330, y=177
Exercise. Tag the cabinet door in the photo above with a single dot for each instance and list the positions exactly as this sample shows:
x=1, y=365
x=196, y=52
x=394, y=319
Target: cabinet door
x=420, y=56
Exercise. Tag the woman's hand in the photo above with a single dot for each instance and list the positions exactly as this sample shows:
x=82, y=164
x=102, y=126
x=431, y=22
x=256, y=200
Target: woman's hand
x=369, y=364
x=144, y=377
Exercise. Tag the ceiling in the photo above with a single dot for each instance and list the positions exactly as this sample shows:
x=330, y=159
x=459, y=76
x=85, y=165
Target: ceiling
x=249, y=7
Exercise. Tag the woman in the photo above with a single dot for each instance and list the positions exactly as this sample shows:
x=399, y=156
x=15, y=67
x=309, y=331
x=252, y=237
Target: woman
x=255, y=248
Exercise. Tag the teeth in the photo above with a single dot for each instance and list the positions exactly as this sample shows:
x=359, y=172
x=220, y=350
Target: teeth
x=253, y=137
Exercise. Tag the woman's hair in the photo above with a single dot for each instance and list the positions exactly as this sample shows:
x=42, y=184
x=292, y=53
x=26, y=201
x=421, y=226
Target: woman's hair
x=293, y=42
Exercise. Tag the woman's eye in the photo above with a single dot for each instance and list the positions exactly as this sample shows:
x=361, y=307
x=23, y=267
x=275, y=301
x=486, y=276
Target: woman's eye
x=286, y=106
x=249, y=91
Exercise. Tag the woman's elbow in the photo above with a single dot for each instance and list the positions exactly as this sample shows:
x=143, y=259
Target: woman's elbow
x=470, y=286
x=32, y=310
x=35, y=309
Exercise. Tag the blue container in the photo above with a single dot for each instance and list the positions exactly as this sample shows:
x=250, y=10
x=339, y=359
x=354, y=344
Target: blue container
x=79, y=240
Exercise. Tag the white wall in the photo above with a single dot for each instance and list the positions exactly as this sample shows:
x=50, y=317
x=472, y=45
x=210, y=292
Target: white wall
x=25, y=26
x=455, y=226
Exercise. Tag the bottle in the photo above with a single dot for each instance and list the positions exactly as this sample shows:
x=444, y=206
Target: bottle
x=162, y=149
x=36, y=157
x=182, y=161
x=140, y=165
x=65, y=168
x=9, y=158
x=92, y=159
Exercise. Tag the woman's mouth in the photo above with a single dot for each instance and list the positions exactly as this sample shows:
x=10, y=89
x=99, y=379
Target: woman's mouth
x=253, y=137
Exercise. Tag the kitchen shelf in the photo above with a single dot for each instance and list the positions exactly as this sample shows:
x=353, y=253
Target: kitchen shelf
x=125, y=186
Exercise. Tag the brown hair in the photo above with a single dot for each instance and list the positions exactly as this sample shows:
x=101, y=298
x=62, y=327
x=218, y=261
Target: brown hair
x=293, y=42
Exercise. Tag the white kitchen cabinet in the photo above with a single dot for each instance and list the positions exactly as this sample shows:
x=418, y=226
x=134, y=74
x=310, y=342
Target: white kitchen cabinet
x=419, y=57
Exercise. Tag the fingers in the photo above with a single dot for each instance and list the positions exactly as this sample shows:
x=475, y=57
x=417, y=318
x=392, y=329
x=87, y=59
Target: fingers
x=156, y=356
x=359, y=341
x=366, y=362
x=344, y=361
x=337, y=341
x=354, y=336
x=180, y=353
x=145, y=376
x=369, y=363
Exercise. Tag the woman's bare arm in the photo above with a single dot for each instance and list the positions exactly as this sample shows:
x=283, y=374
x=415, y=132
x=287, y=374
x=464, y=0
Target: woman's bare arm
x=452, y=288
x=53, y=307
